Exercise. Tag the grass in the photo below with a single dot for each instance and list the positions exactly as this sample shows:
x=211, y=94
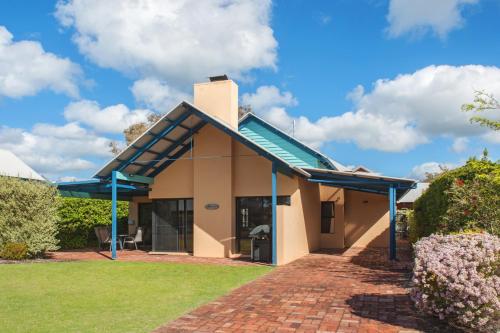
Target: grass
x=105, y=296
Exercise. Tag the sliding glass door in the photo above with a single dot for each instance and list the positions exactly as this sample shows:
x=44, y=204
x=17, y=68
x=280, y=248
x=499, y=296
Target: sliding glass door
x=173, y=225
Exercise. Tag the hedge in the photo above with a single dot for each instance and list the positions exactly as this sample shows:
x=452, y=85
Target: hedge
x=78, y=217
x=28, y=215
x=443, y=198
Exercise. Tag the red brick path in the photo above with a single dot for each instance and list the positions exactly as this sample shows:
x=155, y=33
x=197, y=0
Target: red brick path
x=357, y=291
x=143, y=256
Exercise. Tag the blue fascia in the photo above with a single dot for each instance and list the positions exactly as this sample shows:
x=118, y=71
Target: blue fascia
x=154, y=140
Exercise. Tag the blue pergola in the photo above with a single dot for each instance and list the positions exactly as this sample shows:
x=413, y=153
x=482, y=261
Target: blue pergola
x=133, y=170
x=394, y=188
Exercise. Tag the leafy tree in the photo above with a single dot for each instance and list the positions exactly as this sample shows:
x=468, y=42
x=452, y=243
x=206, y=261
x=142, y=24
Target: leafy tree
x=431, y=176
x=441, y=202
x=483, y=102
x=243, y=110
x=28, y=214
x=135, y=130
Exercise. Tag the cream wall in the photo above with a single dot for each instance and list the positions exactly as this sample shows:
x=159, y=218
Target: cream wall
x=133, y=212
x=212, y=174
x=366, y=219
x=334, y=240
x=298, y=224
x=175, y=182
x=220, y=99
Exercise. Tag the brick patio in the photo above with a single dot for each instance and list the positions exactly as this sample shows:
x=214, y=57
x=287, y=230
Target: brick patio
x=143, y=256
x=355, y=291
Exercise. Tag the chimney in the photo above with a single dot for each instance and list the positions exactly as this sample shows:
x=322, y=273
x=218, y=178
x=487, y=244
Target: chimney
x=219, y=98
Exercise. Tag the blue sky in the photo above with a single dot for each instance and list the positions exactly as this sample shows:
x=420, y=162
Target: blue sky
x=373, y=83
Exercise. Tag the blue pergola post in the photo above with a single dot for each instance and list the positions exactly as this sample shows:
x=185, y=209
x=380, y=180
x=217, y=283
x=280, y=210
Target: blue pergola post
x=274, y=202
x=392, y=229
x=113, y=213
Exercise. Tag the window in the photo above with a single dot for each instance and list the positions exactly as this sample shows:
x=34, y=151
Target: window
x=327, y=217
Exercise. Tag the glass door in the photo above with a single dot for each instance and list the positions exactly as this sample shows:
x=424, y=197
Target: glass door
x=173, y=225
x=251, y=212
x=146, y=221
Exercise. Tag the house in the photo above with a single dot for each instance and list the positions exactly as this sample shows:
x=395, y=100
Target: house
x=13, y=166
x=407, y=200
x=202, y=180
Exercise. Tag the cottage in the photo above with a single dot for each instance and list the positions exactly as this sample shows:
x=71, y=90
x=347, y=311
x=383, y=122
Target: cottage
x=202, y=180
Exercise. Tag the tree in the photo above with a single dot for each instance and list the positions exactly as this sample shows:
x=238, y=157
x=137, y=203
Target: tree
x=431, y=176
x=28, y=214
x=133, y=132
x=466, y=190
x=483, y=102
x=243, y=110
x=136, y=130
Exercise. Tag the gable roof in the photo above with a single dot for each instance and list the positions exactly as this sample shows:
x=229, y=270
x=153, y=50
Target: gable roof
x=170, y=138
x=281, y=144
x=13, y=166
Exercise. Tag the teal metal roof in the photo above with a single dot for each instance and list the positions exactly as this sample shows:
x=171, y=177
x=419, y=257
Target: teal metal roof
x=282, y=145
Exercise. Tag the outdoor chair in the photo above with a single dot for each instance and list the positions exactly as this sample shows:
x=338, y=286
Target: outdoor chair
x=104, y=237
x=134, y=239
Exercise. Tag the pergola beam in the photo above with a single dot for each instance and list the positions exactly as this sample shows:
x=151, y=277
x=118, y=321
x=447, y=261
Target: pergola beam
x=274, y=202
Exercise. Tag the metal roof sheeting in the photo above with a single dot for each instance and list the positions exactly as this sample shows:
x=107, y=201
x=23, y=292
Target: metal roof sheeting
x=13, y=166
x=155, y=149
x=281, y=144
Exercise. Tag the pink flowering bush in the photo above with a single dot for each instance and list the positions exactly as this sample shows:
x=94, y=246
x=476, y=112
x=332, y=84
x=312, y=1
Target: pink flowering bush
x=457, y=278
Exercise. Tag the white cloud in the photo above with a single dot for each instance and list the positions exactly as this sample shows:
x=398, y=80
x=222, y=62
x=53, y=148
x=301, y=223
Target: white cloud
x=111, y=119
x=52, y=149
x=181, y=40
x=157, y=95
x=397, y=114
x=26, y=68
x=421, y=16
x=420, y=171
x=460, y=145
x=267, y=97
x=492, y=137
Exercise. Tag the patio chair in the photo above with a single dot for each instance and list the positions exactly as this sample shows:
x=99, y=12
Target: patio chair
x=134, y=239
x=104, y=237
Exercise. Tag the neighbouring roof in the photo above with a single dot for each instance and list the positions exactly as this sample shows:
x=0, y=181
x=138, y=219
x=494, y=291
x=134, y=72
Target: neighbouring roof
x=281, y=144
x=415, y=193
x=13, y=166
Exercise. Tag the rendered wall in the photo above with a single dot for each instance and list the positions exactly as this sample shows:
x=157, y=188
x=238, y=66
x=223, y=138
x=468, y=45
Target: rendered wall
x=366, y=219
x=133, y=212
x=175, y=182
x=212, y=173
x=220, y=99
x=334, y=240
x=298, y=224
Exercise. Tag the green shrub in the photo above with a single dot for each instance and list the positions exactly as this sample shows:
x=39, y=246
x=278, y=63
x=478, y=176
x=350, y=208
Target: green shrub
x=28, y=214
x=433, y=213
x=14, y=251
x=78, y=217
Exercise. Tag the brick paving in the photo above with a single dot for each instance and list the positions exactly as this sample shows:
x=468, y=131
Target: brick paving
x=356, y=291
x=143, y=256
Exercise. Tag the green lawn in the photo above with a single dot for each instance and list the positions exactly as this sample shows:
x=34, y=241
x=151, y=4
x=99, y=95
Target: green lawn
x=105, y=296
